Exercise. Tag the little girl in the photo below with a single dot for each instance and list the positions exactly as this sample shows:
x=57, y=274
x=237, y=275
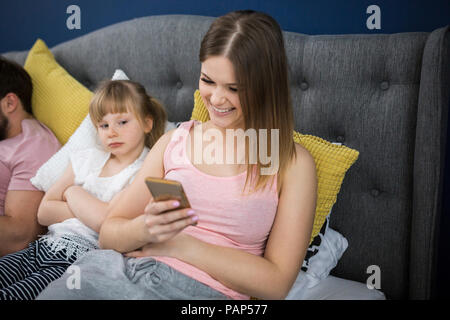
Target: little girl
x=128, y=123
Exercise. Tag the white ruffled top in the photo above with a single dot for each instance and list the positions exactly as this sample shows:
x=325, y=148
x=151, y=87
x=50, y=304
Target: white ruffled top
x=87, y=165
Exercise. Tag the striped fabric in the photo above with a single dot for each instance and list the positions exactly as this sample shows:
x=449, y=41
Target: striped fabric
x=24, y=274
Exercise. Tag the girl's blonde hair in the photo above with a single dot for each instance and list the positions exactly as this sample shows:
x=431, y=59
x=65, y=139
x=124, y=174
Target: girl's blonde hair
x=253, y=42
x=120, y=96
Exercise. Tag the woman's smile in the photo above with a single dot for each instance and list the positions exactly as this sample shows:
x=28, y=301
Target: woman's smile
x=223, y=111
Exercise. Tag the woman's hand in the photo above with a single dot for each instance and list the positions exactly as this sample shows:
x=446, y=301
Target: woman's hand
x=162, y=224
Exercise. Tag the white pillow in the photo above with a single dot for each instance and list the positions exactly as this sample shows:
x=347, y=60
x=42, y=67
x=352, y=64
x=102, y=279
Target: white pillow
x=84, y=137
x=331, y=249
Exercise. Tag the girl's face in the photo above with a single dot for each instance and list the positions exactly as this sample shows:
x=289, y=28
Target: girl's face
x=122, y=134
x=219, y=90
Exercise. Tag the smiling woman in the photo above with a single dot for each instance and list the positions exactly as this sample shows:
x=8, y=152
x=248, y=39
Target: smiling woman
x=246, y=233
x=233, y=50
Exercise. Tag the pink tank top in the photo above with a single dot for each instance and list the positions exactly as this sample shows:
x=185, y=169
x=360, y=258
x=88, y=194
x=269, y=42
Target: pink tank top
x=226, y=217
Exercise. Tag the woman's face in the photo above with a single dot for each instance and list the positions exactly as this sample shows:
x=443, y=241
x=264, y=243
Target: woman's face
x=219, y=90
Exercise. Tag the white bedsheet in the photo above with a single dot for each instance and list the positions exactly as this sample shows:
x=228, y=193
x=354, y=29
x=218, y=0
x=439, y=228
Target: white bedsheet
x=332, y=288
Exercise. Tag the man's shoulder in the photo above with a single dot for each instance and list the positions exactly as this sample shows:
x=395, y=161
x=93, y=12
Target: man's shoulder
x=24, y=154
x=38, y=133
x=33, y=127
x=38, y=143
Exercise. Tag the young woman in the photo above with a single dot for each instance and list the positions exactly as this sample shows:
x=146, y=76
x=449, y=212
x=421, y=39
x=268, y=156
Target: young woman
x=128, y=123
x=246, y=233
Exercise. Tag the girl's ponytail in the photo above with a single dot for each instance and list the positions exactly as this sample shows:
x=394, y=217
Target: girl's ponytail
x=159, y=116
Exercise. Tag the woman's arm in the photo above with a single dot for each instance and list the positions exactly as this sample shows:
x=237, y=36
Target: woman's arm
x=90, y=210
x=53, y=208
x=271, y=276
x=126, y=227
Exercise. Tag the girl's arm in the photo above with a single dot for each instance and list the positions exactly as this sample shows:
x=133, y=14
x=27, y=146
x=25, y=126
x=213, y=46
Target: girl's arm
x=126, y=227
x=53, y=208
x=270, y=276
x=90, y=210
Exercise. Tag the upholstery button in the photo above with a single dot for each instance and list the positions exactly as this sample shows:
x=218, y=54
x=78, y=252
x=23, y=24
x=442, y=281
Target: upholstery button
x=340, y=139
x=375, y=192
x=179, y=84
x=384, y=85
x=304, y=85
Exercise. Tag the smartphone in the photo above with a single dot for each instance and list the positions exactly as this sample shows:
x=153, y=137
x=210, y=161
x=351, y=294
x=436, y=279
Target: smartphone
x=163, y=189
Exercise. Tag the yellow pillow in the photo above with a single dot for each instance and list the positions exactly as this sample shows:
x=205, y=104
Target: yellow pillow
x=59, y=101
x=332, y=162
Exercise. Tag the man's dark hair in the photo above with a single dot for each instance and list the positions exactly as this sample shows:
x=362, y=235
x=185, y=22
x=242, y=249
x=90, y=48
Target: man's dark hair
x=14, y=78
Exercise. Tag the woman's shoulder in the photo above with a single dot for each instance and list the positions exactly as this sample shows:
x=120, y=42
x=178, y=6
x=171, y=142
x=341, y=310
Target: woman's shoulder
x=169, y=139
x=302, y=163
x=303, y=153
x=182, y=129
x=165, y=139
x=300, y=175
x=158, y=149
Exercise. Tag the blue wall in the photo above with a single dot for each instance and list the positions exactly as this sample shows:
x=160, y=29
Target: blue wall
x=23, y=21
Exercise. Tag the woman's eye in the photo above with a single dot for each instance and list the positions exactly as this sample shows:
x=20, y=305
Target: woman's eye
x=233, y=89
x=207, y=81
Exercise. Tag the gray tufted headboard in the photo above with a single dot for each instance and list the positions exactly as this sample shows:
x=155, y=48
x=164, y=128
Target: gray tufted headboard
x=385, y=95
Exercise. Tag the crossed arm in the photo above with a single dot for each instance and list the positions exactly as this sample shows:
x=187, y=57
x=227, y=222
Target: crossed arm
x=64, y=200
x=134, y=222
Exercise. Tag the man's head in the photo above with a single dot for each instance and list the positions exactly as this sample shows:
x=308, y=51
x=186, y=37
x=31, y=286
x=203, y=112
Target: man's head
x=15, y=93
x=3, y=126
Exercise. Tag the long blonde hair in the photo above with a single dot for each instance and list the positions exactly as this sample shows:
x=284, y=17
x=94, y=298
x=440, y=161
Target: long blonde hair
x=120, y=96
x=253, y=42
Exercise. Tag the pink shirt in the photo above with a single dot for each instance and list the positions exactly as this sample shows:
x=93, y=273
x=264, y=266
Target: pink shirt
x=226, y=217
x=22, y=155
